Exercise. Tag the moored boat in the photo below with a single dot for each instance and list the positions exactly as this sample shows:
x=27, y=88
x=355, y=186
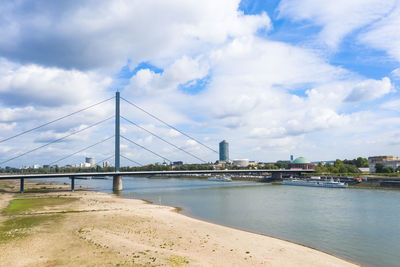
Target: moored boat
x=331, y=183
x=220, y=179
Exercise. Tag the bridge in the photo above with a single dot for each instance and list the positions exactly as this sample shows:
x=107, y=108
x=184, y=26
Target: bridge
x=117, y=186
x=117, y=174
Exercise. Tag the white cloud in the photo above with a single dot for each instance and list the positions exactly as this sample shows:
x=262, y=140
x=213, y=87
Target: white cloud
x=384, y=34
x=105, y=34
x=392, y=105
x=250, y=95
x=337, y=18
x=396, y=74
x=33, y=84
x=179, y=72
x=369, y=90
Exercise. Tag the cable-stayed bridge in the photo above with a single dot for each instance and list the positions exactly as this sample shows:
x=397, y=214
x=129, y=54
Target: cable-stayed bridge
x=117, y=174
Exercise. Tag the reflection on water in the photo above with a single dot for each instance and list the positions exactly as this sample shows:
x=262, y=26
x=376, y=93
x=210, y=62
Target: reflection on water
x=356, y=224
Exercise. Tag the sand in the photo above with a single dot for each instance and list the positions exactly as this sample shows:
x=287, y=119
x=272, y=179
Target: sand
x=105, y=230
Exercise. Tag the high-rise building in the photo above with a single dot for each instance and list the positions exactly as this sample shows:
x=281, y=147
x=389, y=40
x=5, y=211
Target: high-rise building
x=224, y=151
x=90, y=161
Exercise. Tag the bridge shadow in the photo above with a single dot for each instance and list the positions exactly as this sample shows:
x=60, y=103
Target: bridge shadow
x=13, y=187
x=43, y=191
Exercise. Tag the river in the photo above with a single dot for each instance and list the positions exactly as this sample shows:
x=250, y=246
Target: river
x=360, y=225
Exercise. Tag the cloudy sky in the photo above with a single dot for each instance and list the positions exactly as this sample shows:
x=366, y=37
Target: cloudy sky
x=312, y=78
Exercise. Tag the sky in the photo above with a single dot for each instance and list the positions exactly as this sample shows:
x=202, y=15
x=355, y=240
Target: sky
x=311, y=78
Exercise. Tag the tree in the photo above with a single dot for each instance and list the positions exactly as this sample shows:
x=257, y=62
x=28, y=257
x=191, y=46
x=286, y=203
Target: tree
x=387, y=170
x=282, y=165
x=337, y=163
x=362, y=162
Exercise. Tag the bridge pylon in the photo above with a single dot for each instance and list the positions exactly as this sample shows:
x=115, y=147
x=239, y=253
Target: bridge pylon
x=117, y=179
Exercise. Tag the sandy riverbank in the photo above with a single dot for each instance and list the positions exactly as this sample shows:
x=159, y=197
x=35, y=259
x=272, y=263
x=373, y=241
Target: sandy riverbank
x=91, y=228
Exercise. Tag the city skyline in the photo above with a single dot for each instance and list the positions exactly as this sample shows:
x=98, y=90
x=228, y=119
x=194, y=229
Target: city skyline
x=275, y=78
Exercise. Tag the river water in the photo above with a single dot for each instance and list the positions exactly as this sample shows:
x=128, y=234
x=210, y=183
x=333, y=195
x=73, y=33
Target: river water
x=359, y=225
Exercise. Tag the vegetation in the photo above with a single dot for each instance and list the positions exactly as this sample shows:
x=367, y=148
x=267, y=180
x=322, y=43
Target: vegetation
x=379, y=168
x=176, y=260
x=358, y=162
x=338, y=167
x=282, y=165
x=345, y=166
x=19, y=227
x=18, y=206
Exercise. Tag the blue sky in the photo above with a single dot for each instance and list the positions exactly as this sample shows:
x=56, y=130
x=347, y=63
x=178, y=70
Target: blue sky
x=308, y=77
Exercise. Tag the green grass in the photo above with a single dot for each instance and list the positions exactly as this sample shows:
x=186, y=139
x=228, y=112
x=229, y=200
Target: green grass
x=19, y=227
x=18, y=206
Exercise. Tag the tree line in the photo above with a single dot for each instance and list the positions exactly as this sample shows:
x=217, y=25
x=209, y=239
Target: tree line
x=338, y=166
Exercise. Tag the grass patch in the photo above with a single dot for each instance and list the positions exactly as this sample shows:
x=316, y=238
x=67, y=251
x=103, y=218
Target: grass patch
x=177, y=261
x=18, y=206
x=19, y=227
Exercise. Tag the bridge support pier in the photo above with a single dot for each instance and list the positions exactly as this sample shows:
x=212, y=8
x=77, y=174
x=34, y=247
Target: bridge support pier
x=117, y=183
x=21, y=190
x=276, y=176
x=72, y=184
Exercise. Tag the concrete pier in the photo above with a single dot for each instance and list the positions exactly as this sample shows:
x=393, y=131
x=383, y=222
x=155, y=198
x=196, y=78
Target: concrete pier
x=117, y=183
x=276, y=176
x=21, y=185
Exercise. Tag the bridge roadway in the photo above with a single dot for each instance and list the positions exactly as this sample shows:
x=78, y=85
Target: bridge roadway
x=117, y=185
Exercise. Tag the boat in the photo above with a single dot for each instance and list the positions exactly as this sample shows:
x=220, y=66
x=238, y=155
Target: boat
x=220, y=179
x=331, y=183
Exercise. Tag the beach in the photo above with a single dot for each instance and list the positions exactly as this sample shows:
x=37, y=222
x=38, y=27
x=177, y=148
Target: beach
x=97, y=229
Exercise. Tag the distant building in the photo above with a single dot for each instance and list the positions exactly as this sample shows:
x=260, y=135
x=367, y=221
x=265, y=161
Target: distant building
x=291, y=157
x=224, y=151
x=386, y=161
x=177, y=163
x=36, y=166
x=301, y=163
x=90, y=161
x=240, y=162
x=46, y=166
x=218, y=165
x=85, y=165
x=106, y=164
x=364, y=170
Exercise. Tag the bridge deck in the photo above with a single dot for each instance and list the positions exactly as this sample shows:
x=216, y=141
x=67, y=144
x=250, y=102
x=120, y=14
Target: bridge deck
x=144, y=173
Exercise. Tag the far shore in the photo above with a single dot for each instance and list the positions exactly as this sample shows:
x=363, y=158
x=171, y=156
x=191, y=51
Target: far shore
x=91, y=228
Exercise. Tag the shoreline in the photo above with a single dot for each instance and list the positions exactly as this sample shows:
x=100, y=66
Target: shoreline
x=202, y=233
x=179, y=210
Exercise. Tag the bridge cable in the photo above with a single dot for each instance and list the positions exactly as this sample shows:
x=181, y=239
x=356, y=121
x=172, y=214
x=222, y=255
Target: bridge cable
x=132, y=160
x=50, y=122
x=145, y=148
x=172, y=127
x=162, y=139
x=70, y=155
x=107, y=158
x=54, y=141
